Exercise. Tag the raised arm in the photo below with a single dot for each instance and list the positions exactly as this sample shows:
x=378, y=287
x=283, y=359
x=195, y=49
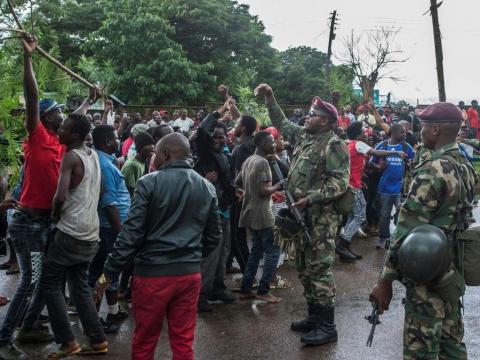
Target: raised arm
x=92, y=98
x=385, y=153
x=108, y=108
x=123, y=124
x=378, y=119
x=30, y=87
x=232, y=106
x=289, y=130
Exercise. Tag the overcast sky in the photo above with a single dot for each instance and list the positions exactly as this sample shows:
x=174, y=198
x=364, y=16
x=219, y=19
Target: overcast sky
x=305, y=22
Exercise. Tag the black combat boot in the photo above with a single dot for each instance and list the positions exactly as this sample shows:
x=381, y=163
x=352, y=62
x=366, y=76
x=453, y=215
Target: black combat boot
x=308, y=324
x=342, y=250
x=348, y=246
x=325, y=330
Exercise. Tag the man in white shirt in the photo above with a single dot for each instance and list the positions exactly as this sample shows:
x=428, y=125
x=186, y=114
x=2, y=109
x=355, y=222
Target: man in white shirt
x=183, y=122
x=156, y=120
x=367, y=118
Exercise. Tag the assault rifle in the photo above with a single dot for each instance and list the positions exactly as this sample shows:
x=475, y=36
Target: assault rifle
x=290, y=201
x=374, y=317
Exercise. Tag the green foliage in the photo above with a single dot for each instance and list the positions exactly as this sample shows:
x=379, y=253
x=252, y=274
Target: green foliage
x=12, y=137
x=51, y=82
x=248, y=105
x=176, y=52
x=303, y=76
x=150, y=68
x=341, y=79
x=223, y=33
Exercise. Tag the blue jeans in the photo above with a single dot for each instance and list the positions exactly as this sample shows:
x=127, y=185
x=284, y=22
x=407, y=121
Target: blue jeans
x=387, y=202
x=262, y=242
x=29, y=236
x=357, y=217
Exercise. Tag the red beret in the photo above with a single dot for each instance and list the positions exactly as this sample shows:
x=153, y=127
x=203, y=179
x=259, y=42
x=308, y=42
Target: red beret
x=273, y=131
x=325, y=107
x=441, y=112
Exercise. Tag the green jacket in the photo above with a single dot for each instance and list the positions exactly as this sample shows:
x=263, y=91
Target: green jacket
x=435, y=196
x=320, y=167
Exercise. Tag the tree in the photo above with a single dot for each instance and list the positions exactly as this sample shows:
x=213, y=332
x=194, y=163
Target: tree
x=222, y=33
x=302, y=76
x=149, y=67
x=175, y=52
x=51, y=82
x=371, y=57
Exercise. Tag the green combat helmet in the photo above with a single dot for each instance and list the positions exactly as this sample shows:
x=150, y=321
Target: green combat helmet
x=424, y=255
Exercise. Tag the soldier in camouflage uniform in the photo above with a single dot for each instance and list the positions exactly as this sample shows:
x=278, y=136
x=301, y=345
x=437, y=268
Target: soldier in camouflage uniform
x=442, y=188
x=318, y=175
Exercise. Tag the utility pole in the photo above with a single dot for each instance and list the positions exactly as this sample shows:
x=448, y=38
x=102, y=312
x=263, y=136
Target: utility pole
x=333, y=23
x=437, y=37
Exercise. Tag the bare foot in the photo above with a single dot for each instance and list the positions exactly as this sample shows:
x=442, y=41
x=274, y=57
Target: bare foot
x=245, y=296
x=269, y=298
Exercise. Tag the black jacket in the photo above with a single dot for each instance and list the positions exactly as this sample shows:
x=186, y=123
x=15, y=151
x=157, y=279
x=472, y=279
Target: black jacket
x=173, y=221
x=209, y=160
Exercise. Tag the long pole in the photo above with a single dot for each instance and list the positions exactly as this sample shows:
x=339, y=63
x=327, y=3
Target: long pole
x=331, y=37
x=45, y=54
x=437, y=37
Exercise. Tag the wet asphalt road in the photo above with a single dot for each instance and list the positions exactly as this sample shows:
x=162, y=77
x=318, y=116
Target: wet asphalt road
x=245, y=331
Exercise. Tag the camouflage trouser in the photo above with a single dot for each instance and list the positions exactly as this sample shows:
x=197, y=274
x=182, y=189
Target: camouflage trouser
x=433, y=329
x=314, y=263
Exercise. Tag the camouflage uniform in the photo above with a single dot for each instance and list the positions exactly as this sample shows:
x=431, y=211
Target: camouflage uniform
x=433, y=328
x=421, y=154
x=472, y=142
x=320, y=171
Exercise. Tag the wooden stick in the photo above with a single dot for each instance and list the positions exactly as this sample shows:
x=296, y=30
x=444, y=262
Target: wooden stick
x=45, y=54
x=14, y=30
x=64, y=68
x=17, y=20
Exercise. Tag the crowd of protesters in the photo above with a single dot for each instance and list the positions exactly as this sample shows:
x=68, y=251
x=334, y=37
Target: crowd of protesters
x=158, y=210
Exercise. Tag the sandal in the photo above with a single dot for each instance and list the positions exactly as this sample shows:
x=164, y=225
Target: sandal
x=60, y=354
x=89, y=350
x=13, y=270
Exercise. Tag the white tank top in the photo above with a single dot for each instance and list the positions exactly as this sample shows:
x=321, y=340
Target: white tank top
x=79, y=217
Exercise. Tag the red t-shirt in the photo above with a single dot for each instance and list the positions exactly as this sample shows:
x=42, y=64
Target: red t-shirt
x=358, y=151
x=343, y=121
x=43, y=155
x=472, y=116
x=126, y=146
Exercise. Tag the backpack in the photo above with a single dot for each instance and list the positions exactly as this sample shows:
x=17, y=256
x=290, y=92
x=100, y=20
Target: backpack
x=344, y=203
x=467, y=238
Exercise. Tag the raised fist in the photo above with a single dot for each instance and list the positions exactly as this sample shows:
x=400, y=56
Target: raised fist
x=29, y=43
x=263, y=89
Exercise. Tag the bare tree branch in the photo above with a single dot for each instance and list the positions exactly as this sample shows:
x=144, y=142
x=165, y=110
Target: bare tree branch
x=371, y=56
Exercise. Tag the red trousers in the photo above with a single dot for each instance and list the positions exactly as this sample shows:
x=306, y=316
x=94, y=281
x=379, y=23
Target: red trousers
x=176, y=298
